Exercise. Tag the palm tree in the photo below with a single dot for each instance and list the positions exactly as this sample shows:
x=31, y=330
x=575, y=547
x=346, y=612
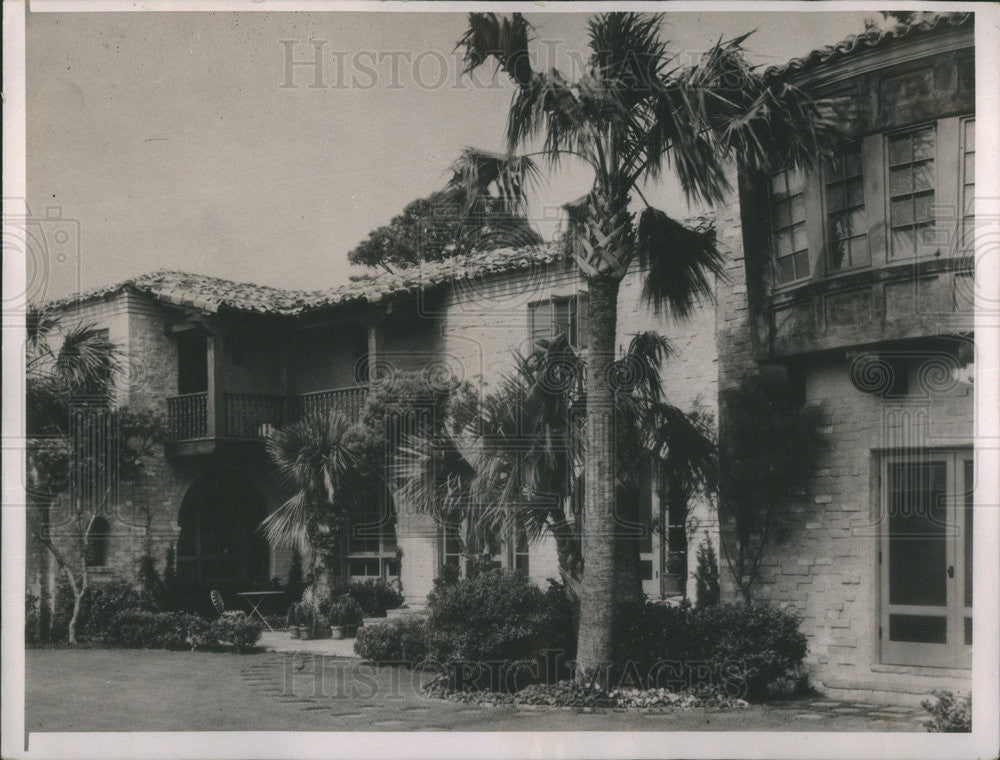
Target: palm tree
x=316, y=456
x=634, y=114
x=517, y=463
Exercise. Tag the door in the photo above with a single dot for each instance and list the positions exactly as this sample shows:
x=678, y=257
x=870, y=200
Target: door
x=925, y=559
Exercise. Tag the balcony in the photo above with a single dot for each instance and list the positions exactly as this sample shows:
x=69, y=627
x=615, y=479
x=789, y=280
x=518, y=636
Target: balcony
x=193, y=419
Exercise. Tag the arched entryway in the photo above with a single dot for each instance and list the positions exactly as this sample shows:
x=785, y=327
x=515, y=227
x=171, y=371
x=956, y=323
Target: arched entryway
x=218, y=519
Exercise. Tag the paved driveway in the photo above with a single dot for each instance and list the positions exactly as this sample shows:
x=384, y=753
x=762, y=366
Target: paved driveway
x=152, y=690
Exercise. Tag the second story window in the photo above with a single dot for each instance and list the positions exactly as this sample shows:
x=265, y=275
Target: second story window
x=564, y=315
x=847, y=237
x=911, y=192
x=788, y=225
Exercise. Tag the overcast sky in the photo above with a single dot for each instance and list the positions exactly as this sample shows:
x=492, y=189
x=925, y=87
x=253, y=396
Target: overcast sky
x=170, y=138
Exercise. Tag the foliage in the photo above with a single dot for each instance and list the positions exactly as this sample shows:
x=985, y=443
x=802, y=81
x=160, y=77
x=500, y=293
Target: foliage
x=401, y=641
x=144, y=629
x=467, y=472
x=150, y=582
x=746, y=650
x=494, y=616
x=771, y=445
x=31, y=620
x=438, y=226
x=170, y=569
x=98, y=606
x=374, y=595
x=572, y=694
x=707, y=575
x=344, y=611
x=239, y=630
x=755, y=645
x=949, y=714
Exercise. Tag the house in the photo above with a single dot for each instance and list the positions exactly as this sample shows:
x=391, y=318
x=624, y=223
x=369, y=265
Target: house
x=226, y=362
x=855, y=282
x=852, y=282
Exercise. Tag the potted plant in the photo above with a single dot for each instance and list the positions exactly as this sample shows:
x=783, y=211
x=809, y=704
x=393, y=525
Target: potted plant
x=345, y=617
x=307, y=620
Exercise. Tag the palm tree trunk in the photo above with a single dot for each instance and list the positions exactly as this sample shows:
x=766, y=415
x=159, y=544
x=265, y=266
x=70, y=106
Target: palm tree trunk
x=597, y=590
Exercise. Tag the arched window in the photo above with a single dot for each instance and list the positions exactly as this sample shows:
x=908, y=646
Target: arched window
x=98, y=537
x=219, y=540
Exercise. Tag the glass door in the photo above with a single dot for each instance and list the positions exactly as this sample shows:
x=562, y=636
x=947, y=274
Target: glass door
x=925, y=559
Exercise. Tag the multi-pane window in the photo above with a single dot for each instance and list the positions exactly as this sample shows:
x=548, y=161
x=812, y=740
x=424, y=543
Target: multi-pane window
x=847, y=237
x=521, y=563
x=911, y=192
x=968, y=180
x=788, y=223
x=565, y=315
x=371, y=543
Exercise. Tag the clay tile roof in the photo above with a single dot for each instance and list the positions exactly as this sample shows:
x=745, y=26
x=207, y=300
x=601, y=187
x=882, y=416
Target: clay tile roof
x=213, y=294
x=922, y=22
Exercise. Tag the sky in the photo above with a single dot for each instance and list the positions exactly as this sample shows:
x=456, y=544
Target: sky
x=183, y=140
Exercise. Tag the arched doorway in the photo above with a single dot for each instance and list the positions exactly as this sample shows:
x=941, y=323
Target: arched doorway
x=218, y=519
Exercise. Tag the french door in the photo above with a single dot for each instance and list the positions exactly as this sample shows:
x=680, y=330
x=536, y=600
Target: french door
x=925, y=559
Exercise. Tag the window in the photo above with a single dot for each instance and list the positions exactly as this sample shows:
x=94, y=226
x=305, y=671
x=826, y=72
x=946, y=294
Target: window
x=565, y=315
x=968, y=181
x=371, y=543
x=98, y=538
x=911, y=192
x=926, y=559
x=847, y=237
x=520, y=563
x=788, y=225
x=192, y=364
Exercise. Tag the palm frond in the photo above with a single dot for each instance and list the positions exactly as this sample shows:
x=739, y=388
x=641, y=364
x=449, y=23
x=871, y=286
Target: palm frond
x=681, y=262
x=498, y=181
x=288, y=524
x=86, y=361
x=504, y=39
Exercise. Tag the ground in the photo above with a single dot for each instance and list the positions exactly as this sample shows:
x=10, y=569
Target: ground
x=152, y=690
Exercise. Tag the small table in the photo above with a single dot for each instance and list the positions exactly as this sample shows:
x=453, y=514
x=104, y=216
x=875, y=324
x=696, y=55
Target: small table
x=254, y=599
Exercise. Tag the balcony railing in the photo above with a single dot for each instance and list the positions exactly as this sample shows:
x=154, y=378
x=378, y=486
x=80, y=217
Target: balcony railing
x=188, y=416
x=250, y=416
x=348, y=401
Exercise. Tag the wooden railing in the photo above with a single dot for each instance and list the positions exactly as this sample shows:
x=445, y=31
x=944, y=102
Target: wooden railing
x=348, y=401
x=252, y=415
x=188, y=416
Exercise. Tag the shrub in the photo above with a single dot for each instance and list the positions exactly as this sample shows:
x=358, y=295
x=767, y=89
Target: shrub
x=755, y=644
x=375, y=596
x=948, y=714
x=401, y=641
x=707, y=576
x=239, y=630
x=496, y=615
x=647, y=634
x=345, y=610
x=143, y=629
x=31, y=620
x=101, y=603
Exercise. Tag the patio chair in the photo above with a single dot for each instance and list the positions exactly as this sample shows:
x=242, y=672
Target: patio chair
x=220, y=605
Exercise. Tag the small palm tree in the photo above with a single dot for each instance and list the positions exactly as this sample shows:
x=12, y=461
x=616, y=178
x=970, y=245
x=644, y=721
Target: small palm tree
x=315, y=456
x=517, y=464
x=633, y=115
